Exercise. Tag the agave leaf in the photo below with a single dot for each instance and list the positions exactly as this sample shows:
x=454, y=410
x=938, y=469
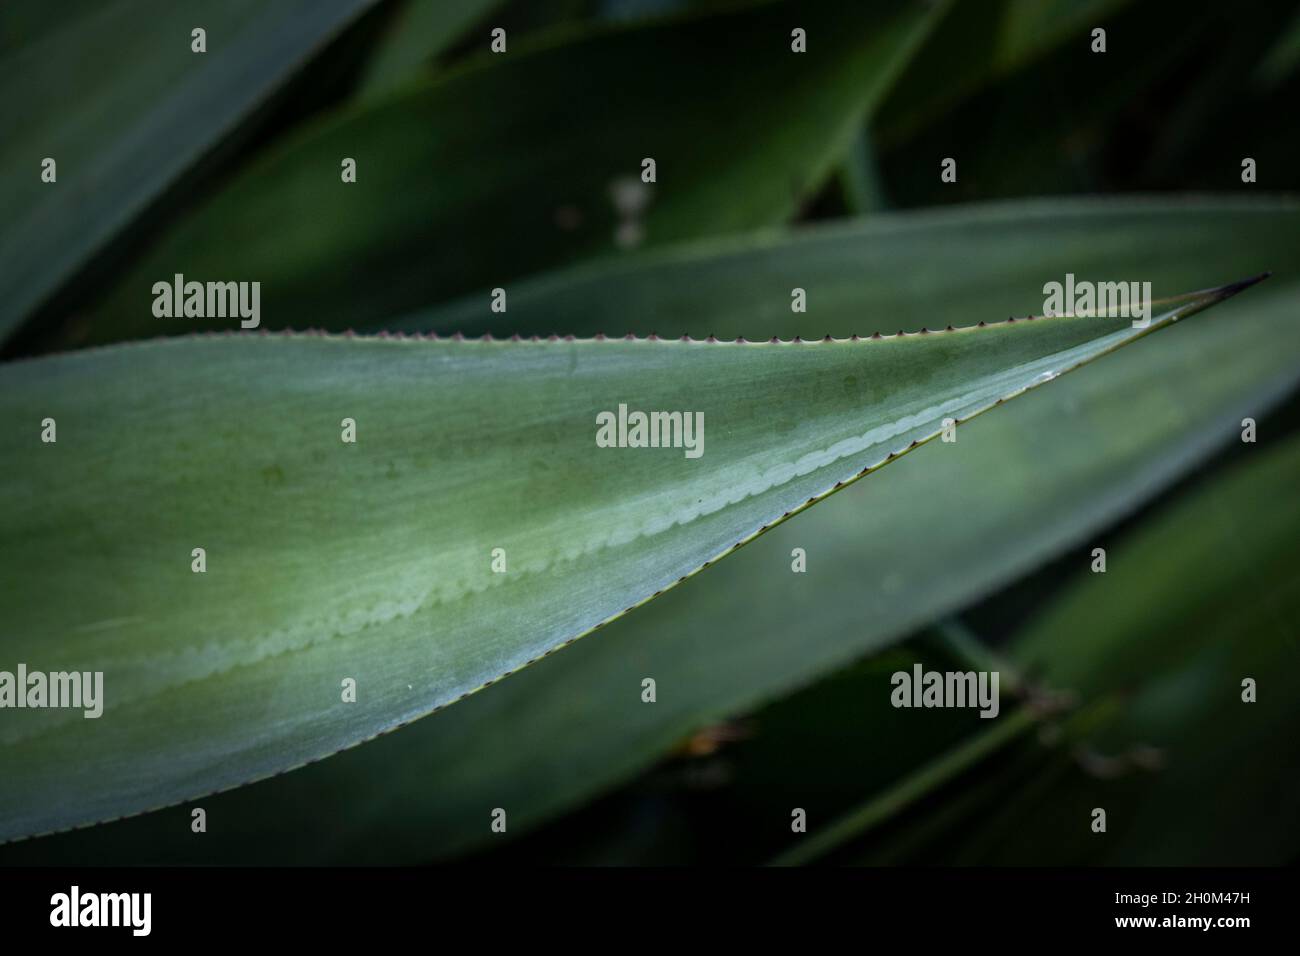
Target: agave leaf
x=1200, y=597
x=447, y=196
x=112, y=92
x=374, y=561
x=418, y=33
x=726, y=792
x=1237, y=533
x=1082, y=454
x=1017, y=487
x=923, y=537
x=859, y=174
x=1151, y=654
x=974, y=44
x=1068, y=106
x=913, y=269
x=1282, y=58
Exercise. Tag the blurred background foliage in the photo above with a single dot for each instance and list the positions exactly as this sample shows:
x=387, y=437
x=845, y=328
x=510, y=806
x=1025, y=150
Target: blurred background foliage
x=478, y=170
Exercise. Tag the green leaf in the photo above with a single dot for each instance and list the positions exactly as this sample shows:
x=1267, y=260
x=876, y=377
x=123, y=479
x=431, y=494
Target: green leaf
x=1203, y=595
x=860, y=180
x=1224, y=540
x=1068, y=117
x=419, y=32
x=1282, y=58
x=373, y=561
x=974, y=44
x=895, y=271
x=909, y=789
x=1152, y=655
x=112, y=92
x=509, y=165
x=1119, y=432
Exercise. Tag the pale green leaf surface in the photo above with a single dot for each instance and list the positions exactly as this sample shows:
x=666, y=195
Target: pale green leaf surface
x=451, y=183
x=372, y=561
x=932, y=532
x=113, y=93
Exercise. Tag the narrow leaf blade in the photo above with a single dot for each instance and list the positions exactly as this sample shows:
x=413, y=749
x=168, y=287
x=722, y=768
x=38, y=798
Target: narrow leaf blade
x=116, y=97
x=446, y=195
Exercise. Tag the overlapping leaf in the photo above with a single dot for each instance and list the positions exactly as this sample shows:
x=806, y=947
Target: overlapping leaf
x=1155, y=652
x=975, y=43
x=114, y=95
x=1204, y=597
x=374, y=561
x=455, y=191
x=415, y=35
x=897, y=271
